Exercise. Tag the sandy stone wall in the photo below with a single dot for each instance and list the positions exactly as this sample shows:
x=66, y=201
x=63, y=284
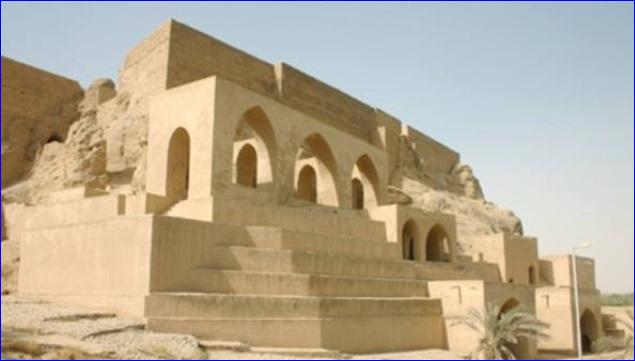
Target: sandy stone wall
x=436, y=156
x=144, y=69
x=194, y=55
x=37, y=107
x=558, y=271
x=191, y=55
x=322, y=101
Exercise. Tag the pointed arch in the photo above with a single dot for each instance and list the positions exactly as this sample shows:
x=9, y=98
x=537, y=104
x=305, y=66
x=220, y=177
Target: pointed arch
x=365, y=171
x=357, y=194
x=410, y=240
x=254, y=128
x=246, y=166
x=589, y=330
x=315, y=152
x=307, y=184
x=517, y=349
x=438, y=245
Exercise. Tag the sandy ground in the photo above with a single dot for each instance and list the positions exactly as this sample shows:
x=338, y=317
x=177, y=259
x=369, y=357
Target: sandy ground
x=35, y=329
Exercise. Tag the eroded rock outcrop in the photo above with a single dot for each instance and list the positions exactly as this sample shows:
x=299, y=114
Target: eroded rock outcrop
x=474, y=217
x=457, y=192
x=38, y=108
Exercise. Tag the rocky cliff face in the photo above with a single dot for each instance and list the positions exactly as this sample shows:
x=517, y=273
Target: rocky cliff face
x=457, y=192
x=104, y=148
x=474, y=217
x=37, y=108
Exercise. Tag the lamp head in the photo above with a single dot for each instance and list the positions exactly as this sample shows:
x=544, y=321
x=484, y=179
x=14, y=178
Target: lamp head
x=583, y=245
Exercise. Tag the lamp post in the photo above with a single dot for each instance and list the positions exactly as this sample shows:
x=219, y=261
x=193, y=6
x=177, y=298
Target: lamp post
x=575, y=296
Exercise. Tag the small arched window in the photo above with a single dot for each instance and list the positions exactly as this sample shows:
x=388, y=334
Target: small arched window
x=307, y=184
x=247, y=167
x=409, y=239
x=358, y=193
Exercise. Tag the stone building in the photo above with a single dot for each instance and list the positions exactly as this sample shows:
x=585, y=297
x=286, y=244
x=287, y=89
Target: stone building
x=215, y=194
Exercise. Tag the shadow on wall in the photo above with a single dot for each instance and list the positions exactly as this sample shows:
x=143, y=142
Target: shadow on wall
x=254, y=149
x=590, y=330
x=315, y=168
x=178, y=165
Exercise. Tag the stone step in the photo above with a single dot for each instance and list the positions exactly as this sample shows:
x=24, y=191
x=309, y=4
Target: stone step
x=280, y=238
x=351, y=335
x=300, y=353
x=223, y=234
x=310, y=219
x=209, y=305
x=287, y=261
x=271, y=283
x=231, y=346
x=609, y=321
x=615, y=333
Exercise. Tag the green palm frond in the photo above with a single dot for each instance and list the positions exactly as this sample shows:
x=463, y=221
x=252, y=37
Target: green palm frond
x=498, y=330
x=609, y=344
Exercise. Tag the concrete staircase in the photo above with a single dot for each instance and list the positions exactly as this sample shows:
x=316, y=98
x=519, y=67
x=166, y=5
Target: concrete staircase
x=270, y=286
x=312, y=219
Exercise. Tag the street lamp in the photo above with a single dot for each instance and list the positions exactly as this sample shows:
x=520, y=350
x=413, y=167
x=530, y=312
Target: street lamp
x=575, y=295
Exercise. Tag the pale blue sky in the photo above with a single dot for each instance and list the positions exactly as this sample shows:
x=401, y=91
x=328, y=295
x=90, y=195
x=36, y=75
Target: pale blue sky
x=537, y=97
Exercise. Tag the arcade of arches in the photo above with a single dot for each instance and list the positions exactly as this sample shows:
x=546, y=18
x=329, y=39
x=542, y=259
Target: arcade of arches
x=316, y=171
x=436, y=246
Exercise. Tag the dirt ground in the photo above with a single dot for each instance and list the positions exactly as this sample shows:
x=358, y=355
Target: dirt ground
x=34, y=329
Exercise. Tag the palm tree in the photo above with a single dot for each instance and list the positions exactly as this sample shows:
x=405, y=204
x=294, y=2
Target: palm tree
x=607, y=344
x=498, y=330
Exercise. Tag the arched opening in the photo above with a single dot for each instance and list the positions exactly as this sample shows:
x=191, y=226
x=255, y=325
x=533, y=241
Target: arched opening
x=307, y=184
x=409, y=240
x=247, y=167
x=437, y=245
x=365, y=172
x=254, y=149
x=317, y=154
x=520, y=348
x=589, y=331
x=54, y=138
x=532, y=275
x=178, y=165
x=358, y=193
x=508, y=305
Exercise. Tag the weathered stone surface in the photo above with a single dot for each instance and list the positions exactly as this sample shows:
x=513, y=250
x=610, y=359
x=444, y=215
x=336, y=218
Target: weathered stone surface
x=37, y=108
x=216, y=194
